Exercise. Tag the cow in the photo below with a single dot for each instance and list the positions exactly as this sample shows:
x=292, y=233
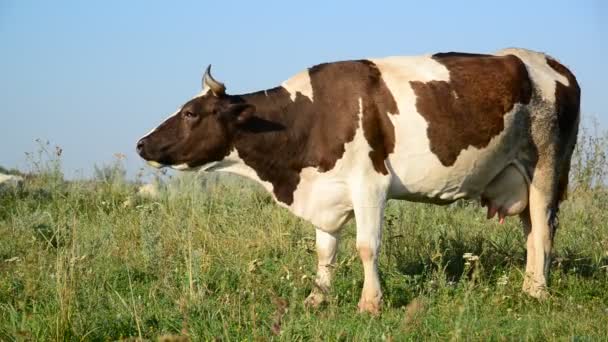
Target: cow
x=10, y=181
x=339, y=139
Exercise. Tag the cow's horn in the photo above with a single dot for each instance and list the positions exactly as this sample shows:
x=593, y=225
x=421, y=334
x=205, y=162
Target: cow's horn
x=217, y=88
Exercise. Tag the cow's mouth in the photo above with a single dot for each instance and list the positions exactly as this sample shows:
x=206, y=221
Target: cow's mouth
x=178, y=167
x=181, y=167
x=155, y=164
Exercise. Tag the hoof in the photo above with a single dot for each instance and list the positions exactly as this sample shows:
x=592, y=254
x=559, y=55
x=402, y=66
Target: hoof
x=538, y=292
x=535, y=289
x=370, y=306
x=314, y=300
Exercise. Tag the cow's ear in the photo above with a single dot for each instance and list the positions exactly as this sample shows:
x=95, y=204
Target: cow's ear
x=239, y=112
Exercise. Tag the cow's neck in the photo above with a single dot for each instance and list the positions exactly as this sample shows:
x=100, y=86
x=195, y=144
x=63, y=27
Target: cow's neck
x=272, y=148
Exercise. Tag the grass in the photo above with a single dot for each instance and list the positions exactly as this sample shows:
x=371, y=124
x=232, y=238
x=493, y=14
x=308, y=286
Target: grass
x=90, y=260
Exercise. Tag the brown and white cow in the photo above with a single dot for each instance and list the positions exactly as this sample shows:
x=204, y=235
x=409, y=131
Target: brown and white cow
x=340, y=139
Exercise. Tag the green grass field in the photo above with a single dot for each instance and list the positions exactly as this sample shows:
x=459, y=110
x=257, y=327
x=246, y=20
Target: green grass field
x=215, y=259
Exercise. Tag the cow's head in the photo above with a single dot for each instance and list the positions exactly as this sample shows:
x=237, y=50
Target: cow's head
x=200, y=132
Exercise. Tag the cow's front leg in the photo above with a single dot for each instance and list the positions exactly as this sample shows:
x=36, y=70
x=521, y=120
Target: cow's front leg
x=368, y=214
x=327, y=246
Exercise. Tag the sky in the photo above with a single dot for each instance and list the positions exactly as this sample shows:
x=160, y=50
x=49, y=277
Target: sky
x=94, y=76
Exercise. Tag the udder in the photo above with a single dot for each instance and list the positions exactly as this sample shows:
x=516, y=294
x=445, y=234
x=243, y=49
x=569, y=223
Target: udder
x=506, y=195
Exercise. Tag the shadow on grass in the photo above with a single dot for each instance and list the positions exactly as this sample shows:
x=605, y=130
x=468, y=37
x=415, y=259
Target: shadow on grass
x=570, y=261
x=494, y=259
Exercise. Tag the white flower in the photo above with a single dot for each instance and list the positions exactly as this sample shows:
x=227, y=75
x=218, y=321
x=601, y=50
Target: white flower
x=470, y=257
x=503, y=280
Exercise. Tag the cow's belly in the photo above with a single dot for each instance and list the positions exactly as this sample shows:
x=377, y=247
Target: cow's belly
x=420, y=179
x=419, y=175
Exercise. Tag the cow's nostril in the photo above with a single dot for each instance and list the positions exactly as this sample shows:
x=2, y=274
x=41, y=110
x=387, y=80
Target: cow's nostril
x=140, y=146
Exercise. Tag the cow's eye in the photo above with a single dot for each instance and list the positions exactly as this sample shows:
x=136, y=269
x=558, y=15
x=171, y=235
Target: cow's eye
x=190, y=115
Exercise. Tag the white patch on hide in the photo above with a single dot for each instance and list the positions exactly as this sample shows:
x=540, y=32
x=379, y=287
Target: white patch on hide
x=542, y=75
x=300, y=83
x=233, y=163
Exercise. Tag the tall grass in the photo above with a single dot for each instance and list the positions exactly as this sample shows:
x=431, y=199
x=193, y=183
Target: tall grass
x=589, y=163
x=213, y=258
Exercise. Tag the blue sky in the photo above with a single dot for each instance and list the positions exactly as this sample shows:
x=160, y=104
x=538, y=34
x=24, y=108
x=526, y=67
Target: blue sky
x=94, y=76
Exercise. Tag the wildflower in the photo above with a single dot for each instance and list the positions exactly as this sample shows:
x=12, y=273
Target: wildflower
x=120, y=156
x=470, y=257
x=503, y=280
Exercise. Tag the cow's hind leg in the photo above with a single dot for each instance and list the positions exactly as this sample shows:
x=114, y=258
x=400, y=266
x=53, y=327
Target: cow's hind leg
x=554, y=140
x=327, y=246
x=540, y=224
